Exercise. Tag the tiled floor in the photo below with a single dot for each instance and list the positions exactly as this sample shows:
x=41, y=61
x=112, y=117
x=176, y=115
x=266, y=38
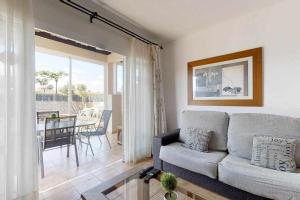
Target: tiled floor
x=64, y=181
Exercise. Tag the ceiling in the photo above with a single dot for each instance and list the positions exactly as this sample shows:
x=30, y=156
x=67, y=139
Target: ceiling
x=171, y=19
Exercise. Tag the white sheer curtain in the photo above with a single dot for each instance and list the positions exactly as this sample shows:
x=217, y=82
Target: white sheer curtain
x=160, y=124
x=18, y=157
x=138, y=103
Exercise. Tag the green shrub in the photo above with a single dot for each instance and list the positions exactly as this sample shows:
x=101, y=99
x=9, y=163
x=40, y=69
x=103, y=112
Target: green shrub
x=53, y=115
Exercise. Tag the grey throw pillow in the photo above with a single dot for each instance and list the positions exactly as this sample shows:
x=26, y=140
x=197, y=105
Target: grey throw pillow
x=274, y=153
x=197, y=139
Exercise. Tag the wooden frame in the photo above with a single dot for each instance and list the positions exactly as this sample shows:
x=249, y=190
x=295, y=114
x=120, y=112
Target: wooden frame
x=257, y=79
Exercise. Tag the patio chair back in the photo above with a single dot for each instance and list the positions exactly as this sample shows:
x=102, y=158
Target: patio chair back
x=59, y=131
x=42, y=115
x=104, y=121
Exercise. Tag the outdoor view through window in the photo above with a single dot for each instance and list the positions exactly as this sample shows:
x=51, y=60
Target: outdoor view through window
x=57, y=75
x=118, y=89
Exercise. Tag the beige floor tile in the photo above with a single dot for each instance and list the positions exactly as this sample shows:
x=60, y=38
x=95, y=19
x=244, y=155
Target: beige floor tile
x=65, y=181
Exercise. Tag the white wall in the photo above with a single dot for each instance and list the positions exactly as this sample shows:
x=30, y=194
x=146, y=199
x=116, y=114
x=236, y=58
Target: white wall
x=56, y=17
x=275, y=28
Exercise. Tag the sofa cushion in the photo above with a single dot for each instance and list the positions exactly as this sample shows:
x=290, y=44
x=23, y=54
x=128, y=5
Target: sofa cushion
x=238, y=172
x=274, y=153
x=244, y=126
x=217, y=122
x=197, y=139
x=195, y=161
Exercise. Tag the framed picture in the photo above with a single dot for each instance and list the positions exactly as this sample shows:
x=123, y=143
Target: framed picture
x=229, y=80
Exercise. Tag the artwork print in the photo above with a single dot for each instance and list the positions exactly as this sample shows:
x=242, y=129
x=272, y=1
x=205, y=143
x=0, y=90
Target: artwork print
x=234, y=79
x=224, y=80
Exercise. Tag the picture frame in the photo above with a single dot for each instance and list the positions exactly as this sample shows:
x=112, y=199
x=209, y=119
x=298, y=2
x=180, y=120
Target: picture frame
x=234, y=79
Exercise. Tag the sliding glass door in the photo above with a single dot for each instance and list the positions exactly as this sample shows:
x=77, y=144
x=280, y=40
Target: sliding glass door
x=89, y=91
x=70, y=85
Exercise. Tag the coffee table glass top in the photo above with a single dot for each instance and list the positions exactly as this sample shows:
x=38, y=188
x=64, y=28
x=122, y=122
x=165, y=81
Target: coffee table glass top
x=128, y=186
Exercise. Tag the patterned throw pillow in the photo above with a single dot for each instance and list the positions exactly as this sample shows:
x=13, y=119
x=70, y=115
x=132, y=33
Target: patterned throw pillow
x=274, y=153
x=197, y=139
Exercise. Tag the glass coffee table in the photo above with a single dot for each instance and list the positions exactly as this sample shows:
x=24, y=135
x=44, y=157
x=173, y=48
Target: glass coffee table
x=128, y=186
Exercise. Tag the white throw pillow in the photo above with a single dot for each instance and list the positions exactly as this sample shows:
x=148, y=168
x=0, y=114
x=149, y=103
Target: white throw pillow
x=274, y=153
x=197, y=139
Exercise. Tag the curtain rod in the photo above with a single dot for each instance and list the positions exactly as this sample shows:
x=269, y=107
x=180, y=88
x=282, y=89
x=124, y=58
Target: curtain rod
x=95, y=15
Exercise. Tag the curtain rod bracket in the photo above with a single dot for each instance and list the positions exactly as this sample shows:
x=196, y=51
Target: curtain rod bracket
x=93, y=16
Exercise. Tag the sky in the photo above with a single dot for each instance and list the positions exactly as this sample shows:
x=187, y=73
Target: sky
x=83, y=72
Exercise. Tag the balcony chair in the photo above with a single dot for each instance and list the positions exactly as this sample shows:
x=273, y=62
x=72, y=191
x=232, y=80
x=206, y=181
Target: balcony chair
x=58, y=131
x=42, y=115
x=99, y=131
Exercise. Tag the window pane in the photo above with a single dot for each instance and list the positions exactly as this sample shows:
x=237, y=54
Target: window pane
x=119, y=78
x=88, y=85
x=51, y=75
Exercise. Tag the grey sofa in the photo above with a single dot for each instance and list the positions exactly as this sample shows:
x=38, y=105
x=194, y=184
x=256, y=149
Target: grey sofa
x=226, y=168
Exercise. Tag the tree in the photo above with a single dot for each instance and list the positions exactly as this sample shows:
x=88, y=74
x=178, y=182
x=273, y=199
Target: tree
x=56, y=76
x=81, y=90
x=65, y=90
x=43, y=83
x=53, y=76
x=50, y=87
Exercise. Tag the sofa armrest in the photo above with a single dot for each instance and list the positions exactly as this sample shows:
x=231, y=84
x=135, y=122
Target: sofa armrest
x=163, y=140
